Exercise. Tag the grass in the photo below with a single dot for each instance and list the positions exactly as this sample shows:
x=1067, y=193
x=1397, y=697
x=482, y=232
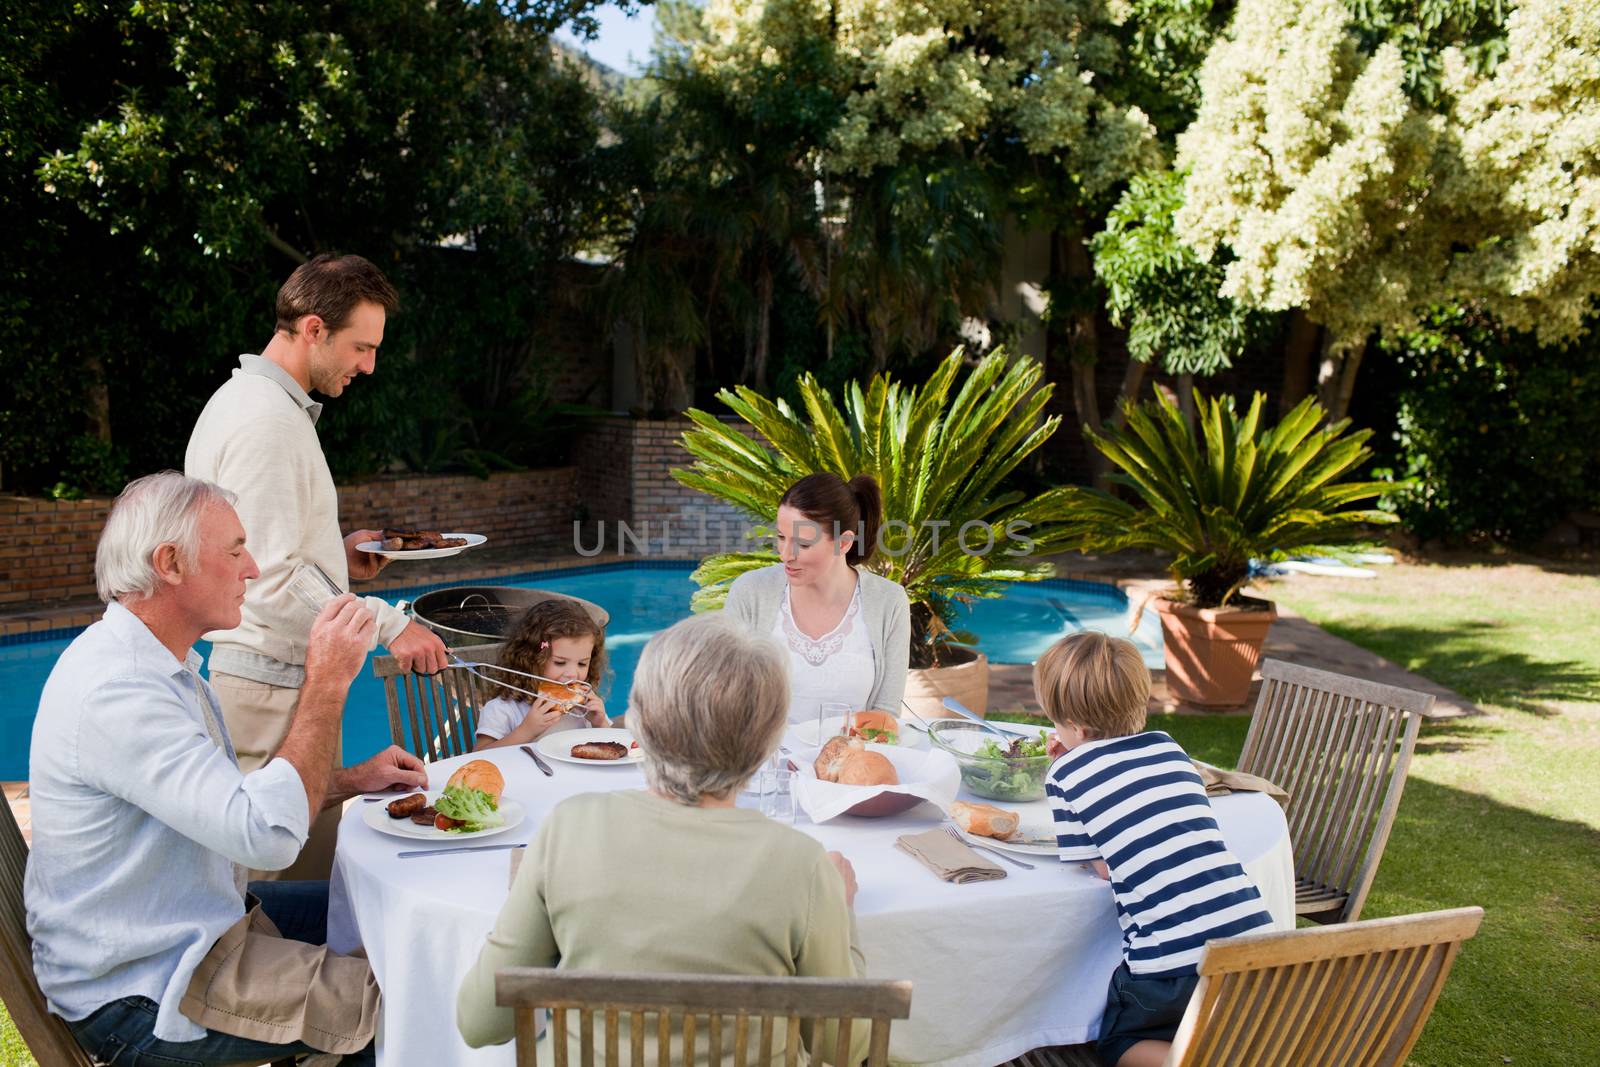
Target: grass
x=13, y=1053
x=1500, y=810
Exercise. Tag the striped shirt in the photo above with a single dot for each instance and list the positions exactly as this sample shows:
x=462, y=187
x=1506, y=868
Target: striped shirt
x=1137, y=803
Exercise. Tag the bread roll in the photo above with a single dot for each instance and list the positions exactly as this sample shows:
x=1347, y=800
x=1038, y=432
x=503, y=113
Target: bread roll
x=832, y=756
x=479, y=774
x=984, y=820
x=866, y=768
x=561, y=692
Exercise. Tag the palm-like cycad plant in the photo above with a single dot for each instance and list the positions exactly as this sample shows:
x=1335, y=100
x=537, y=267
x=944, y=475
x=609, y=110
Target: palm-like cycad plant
x=1229, y=494
x=939, y=452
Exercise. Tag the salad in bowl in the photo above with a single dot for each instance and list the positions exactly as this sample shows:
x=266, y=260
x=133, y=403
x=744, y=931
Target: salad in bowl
x=991, y=766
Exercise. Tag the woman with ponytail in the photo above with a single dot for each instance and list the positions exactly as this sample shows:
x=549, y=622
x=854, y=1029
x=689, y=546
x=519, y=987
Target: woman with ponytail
x=847, y=631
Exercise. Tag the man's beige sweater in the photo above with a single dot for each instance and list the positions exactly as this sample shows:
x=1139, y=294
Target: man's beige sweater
x=257, y=436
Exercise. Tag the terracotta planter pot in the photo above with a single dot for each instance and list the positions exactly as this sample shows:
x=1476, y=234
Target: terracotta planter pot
x=1212, y=652
x=926, y=687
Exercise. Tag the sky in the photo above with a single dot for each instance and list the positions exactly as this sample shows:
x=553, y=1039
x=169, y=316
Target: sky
x=624, y=43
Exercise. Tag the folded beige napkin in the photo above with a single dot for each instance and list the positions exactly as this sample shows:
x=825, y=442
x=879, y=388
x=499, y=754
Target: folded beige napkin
x=1219, y=783
x=948, y=858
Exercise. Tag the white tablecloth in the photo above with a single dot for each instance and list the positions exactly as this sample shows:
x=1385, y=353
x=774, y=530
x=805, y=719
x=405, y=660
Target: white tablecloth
x=997, y=967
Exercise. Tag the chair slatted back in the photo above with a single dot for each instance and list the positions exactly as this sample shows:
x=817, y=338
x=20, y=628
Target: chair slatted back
x=1355, y=993
x=45, y=1034
x=436, y=716
x=1340, y=746
x=746, y=1021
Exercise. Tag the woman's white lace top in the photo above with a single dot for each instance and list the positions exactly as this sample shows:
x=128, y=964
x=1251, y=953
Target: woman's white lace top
x=837, y=667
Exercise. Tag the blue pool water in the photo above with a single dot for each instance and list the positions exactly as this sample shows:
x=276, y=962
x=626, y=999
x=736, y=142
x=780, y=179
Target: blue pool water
x=642, y=599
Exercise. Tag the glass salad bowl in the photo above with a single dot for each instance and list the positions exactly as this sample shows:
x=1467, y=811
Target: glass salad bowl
x=990, y=767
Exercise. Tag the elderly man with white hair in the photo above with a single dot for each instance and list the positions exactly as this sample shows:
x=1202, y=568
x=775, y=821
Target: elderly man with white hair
x=145, y=936
x=686, y=882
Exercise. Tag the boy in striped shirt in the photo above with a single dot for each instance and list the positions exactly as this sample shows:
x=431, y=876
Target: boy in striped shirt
x=1130, y=802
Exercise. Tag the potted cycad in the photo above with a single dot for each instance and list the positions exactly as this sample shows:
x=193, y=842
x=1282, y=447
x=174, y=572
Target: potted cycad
x=1215, y=499
x=940, y=452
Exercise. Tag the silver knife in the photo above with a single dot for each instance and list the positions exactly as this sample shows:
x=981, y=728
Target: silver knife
x=463, y=848
x=543, y=766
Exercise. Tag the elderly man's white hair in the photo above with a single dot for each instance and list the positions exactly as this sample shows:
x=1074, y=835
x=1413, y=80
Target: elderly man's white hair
x=151, y=511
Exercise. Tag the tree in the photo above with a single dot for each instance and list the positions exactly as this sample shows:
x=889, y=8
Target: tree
x=199, y=151
x=1339, y=189
x=1166, y=297
x=952, y=116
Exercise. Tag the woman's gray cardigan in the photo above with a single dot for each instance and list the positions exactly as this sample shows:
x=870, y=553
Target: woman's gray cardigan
x=756, y=596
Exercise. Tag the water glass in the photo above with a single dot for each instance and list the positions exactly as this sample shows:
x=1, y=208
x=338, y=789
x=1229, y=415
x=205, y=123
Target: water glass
x=761, y=782
x=777, y=802
x=311, y=586
x=830, y=710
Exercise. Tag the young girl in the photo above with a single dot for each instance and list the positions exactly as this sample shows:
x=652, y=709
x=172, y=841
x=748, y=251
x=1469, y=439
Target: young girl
x=556, y=639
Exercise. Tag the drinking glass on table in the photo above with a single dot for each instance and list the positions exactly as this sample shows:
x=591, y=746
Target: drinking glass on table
x=831, y=710
x=777, y=802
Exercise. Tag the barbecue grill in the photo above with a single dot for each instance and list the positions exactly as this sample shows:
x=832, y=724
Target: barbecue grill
x=476, y=614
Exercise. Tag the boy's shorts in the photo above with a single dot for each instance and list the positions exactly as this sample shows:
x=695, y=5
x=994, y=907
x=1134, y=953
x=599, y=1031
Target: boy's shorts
x=1141, y=1009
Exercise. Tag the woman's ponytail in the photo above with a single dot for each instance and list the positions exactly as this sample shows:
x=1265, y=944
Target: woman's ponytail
x=869, y=501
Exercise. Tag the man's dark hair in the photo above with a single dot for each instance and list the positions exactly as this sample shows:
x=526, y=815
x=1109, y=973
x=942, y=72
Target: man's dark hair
x=329, y=287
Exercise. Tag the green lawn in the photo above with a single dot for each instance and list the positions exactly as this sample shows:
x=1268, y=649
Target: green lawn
x=1502, y=811
x=13, y=1053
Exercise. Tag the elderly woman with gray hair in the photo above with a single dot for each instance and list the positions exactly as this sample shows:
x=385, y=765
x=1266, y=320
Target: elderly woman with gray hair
x=674, y=878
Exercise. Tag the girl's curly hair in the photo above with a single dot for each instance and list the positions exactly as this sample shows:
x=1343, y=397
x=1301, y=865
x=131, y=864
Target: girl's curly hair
x=528, y=647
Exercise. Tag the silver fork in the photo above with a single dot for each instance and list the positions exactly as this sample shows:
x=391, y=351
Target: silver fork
x=951, y=830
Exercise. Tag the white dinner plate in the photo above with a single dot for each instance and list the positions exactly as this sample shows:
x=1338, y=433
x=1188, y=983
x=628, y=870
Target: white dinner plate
x=559, y=745
x=1024, y=848
x=377, y=816
x=376, y=547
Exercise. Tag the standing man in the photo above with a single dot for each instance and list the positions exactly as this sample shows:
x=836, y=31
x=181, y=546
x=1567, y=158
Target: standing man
x=257, y=438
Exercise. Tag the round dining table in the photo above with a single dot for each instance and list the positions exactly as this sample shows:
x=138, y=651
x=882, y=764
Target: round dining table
x=997, y=968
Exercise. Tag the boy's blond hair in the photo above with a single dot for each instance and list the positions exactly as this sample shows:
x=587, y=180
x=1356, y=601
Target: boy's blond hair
x=1094, y=681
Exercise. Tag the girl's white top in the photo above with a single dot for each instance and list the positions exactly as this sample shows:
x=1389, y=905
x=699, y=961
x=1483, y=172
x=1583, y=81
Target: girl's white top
x=838, y=667
x=502, y=715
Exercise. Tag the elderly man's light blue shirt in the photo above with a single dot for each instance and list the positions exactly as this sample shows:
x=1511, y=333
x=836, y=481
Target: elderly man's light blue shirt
x=138, y=820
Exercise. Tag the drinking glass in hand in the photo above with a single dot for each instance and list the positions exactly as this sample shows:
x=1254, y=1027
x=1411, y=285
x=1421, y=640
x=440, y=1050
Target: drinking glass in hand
x=311, y=586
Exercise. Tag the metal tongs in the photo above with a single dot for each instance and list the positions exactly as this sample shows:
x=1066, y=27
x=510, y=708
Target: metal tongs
x=566, y=706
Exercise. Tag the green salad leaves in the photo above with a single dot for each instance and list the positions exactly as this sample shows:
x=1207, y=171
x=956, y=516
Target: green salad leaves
x=473, y=809
x=1009, y=772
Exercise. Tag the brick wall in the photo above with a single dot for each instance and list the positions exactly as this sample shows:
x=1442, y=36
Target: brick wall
x=626, y=465
x=517, y=509
x=47, y=546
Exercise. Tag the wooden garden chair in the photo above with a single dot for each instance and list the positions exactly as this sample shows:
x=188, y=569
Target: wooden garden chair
x=44, y=1033
x=1340, y=746
x=761, y=1011
x=436, y=716
x=1357, y=993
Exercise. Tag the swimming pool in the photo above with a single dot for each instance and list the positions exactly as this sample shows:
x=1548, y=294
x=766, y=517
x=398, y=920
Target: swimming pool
x=642, y=598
